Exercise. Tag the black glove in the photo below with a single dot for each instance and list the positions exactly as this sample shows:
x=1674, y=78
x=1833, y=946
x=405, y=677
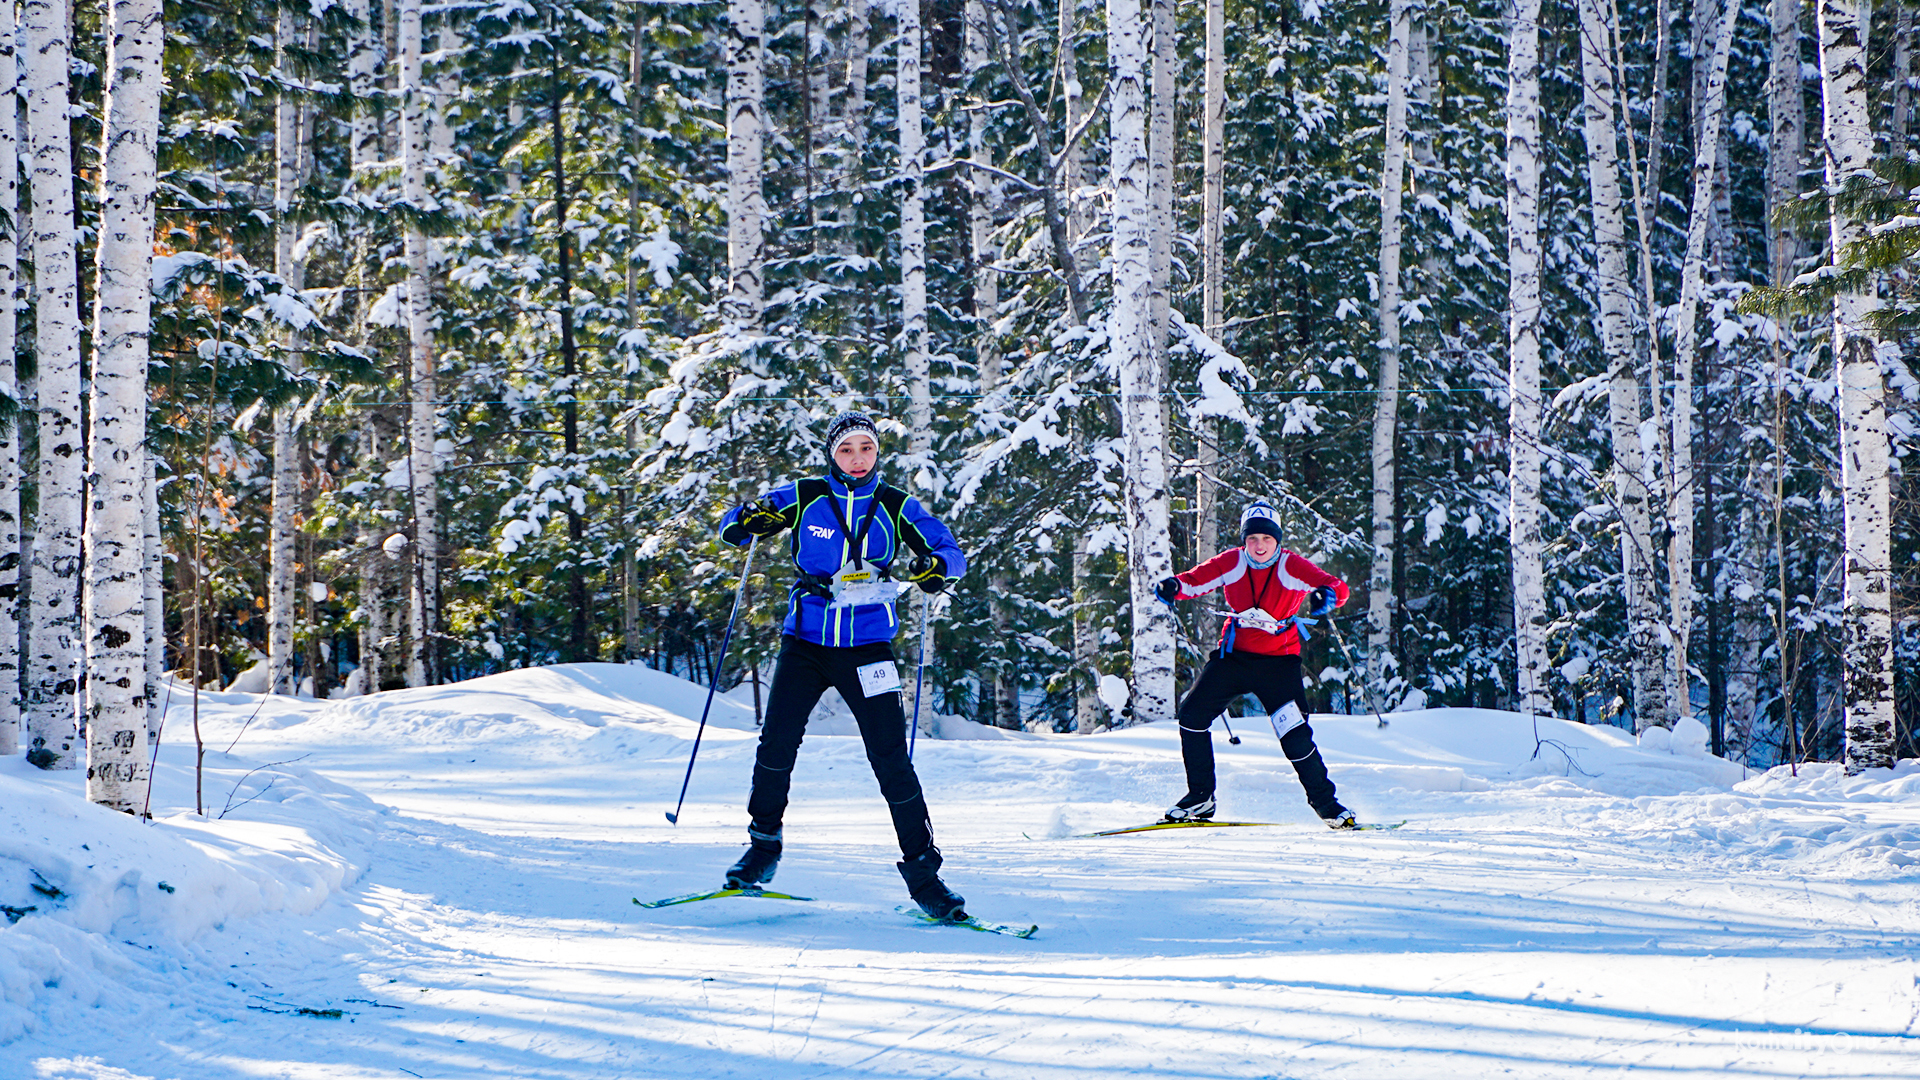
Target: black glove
x=929, y=572
x=760, y=519
x=1168, y=590
x=1320, y=601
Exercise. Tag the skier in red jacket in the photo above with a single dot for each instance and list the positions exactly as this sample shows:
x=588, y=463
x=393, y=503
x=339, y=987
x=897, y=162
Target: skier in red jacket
x=1259, y=654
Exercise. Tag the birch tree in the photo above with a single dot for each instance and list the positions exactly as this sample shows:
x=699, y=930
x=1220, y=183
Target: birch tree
x=282, y=605
x=913, y=240
x=364, y=59
x=116, y=548
x=422, y=430
x=1160, y=149
x=745, y=302
x=1140, y=376
x=1786, y=136
x=1386, y=409
x=1685, y=349
x=52, y=687
x=853, y=121
x=1523, y=358
x=1866, y=659
x=10, y=427
x=1213, y=173
x=1630, y=491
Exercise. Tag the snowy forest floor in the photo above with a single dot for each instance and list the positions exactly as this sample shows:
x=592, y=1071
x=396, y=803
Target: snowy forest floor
x=452, y=869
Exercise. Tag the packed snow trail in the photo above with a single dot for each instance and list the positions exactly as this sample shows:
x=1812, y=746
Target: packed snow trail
x=452, y=869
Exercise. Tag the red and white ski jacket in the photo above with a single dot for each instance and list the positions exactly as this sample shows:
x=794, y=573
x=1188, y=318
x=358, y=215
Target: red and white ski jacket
x=1276, y=590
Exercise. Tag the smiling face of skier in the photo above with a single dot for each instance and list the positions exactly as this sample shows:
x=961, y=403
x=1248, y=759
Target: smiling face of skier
x=855, y=455
x=1260, y=546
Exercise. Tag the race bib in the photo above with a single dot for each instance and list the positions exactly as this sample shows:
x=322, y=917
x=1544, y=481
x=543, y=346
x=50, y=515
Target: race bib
x=1286, y=718
x=1258, y=619
x=878, y=678
x=852, y=588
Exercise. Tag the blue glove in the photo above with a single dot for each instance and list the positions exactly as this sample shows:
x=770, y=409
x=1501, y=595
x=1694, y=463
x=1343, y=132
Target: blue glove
x=1320, y=601
x=1168, y=590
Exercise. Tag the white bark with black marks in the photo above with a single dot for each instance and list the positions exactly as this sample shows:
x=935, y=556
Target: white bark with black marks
x=422, y=428
x=1129, y=329
x=745, y=302
x=913, y=242
x=1866, y=656
x=116, y=547
x=1386, y=404
x=52, y=687
x=1523, y=361
x=10, y=430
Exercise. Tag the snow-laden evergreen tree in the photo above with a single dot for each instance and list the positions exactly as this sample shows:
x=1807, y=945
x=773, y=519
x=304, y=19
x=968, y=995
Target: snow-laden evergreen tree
x=54, y=645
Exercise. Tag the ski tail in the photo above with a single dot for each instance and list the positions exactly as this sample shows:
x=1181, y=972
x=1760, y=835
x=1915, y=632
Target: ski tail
x=719, y=894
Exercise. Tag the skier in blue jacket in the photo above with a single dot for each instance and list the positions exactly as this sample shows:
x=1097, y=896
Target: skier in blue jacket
x=848, y=531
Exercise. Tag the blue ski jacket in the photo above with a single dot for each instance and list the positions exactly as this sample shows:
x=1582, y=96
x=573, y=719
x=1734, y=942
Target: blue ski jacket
x=820, y=512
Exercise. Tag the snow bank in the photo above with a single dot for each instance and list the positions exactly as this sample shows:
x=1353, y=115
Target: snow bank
x=79, y=880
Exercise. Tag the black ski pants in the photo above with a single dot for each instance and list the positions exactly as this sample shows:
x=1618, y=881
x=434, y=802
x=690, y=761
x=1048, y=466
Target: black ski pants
x=1275, y=680
x=800, y=675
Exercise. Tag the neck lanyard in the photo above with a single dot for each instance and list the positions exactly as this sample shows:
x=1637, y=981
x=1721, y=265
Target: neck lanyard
x=856, y=544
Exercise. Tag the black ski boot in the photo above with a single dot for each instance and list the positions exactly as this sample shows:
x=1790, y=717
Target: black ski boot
x=1338, y=817
x=758, y=864
x=1193, y=806
x=922, y=875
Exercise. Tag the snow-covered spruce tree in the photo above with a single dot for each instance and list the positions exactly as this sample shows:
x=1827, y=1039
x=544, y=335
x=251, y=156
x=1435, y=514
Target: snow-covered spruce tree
x=116, y=553
x=1867, y=643
x=54, y=648
x=12, y=416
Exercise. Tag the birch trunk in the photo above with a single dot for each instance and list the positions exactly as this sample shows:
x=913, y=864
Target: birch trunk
x=281, y=601
x=1786, y=141
x=1685, y=349
x=1623, y=397
x=1141, y=387
x=1206, y=500
x=1386, y=409
x=1523, y=358
x=913, y=242
x=364, y=56
x=52, y=687
x=1160, y=150
x=744, y=305
x=853, y=123
x=1866, y=660
x=10, y=475
x=1073, y=160
x=447, y=89
x=153, y=583
x=116, y=547
x=422, y=469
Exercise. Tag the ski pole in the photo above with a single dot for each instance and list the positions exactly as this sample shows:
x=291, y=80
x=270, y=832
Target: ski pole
x=1232, y=739
x=1342, y=639
x=919, y=676
x=713, y=684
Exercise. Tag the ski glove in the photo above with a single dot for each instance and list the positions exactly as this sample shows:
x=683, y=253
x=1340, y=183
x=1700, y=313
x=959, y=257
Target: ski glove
x=761, y=519
x=1168, y=590
x=929, y=572
x=1321, y=600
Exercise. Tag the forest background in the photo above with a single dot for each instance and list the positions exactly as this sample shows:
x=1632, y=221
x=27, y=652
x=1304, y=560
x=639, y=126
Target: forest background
x=469, y=320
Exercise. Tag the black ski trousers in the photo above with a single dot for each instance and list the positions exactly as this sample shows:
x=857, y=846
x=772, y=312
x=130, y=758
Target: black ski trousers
x=801, y=674
x=1275, y=680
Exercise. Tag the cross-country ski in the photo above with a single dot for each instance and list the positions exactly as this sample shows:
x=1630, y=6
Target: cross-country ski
x=971, y=923
x=719, y=894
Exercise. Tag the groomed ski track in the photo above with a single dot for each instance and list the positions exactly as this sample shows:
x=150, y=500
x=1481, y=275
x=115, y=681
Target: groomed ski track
x=1532, y=921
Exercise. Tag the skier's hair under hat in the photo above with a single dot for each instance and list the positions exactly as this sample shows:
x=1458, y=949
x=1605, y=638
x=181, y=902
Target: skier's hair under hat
x=852, y=422
x=1259, y=517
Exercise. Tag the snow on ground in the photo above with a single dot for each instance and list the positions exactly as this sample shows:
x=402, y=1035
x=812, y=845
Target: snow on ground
x=437, y=883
